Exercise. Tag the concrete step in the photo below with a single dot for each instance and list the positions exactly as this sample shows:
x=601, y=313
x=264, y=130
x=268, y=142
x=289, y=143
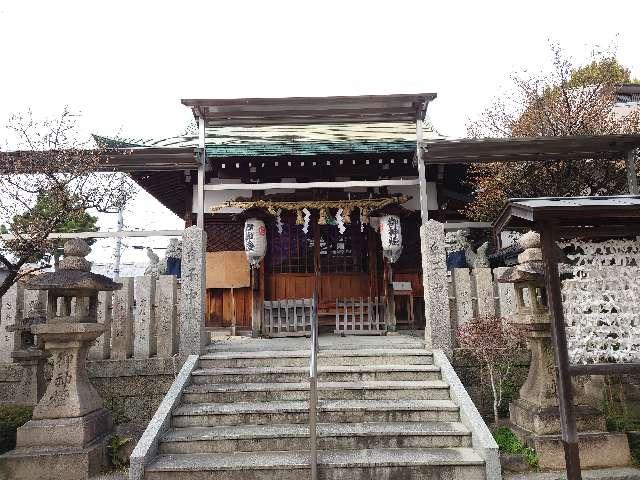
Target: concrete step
x=352, y=390
x=329, y=411
x=327, y=373
x=341, y=436
x=300, y=358
x=333, y=465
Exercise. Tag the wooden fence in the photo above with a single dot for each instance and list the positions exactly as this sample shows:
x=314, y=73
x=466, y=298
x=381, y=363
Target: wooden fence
x=356, y=316
x=141, y=319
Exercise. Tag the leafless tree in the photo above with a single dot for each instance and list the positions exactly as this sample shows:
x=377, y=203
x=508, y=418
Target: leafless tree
x=51, y=179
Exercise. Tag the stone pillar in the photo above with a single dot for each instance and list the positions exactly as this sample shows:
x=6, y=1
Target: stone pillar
x=101, y=348
x=10, y=314
x=33, y=383
x=122, y=321
x=167, y=327
x=485, y=294
x=462, y=294
x=436, y=296
x=506, y=295
x=192, y=292
x=144, y=326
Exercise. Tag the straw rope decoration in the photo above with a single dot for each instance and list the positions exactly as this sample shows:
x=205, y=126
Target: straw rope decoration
x=366, y=206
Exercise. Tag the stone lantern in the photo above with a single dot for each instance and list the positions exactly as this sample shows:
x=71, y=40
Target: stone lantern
x=535, y=415
x=67, y=437
x=29, y=355
x=532, y=315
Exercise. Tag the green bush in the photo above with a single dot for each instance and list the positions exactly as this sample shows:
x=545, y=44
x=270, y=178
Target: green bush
x=510, y=443
x=12, y=417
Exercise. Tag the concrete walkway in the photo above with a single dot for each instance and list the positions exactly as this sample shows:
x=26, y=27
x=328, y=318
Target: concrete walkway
x=327, y=341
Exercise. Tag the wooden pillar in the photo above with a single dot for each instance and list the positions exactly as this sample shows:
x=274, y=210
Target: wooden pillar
x=389, y=299
x=632, y=176
x=422, y=174
x=559, y=338
x=316, y=256
x=201, y=171
x=257, y=300
x=188, y=205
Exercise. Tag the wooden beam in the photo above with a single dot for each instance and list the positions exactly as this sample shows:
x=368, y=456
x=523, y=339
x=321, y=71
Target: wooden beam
x=310, y=185
x=465, y=225
x=312, y=120
x=121, y=234
x=605, y=369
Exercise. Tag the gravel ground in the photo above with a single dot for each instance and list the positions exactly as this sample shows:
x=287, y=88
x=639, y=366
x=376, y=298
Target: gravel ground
x=117, y=475
x=599, y=474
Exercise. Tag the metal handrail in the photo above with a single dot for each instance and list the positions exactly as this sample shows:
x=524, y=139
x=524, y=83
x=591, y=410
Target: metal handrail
x=313, y=387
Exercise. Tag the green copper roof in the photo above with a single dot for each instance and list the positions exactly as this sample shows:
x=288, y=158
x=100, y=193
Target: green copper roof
x=292, y=140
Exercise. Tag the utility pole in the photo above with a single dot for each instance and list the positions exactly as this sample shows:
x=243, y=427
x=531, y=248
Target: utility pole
x=117, y=254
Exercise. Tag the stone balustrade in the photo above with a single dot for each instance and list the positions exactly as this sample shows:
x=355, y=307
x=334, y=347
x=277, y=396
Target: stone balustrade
x=476, y=292
x=141, y=319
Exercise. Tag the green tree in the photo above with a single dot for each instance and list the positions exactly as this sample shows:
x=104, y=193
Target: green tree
x=604, y=69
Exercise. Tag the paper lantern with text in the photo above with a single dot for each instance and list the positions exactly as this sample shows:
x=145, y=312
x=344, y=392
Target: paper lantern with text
x=391, y=237
x=255, y=241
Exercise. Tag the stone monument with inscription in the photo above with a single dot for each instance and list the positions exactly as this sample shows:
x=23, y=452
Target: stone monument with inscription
x=67, y=437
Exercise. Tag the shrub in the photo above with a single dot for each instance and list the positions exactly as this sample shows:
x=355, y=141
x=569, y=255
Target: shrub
x=510, y=443
x=12, y=417
x=497, y=346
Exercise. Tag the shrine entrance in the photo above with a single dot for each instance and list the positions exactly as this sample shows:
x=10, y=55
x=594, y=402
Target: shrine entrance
x=337, y=264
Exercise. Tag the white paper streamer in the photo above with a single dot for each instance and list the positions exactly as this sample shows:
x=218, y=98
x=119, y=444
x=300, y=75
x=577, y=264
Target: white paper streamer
x=307, y=217
x=340, y=222
x=279, y=221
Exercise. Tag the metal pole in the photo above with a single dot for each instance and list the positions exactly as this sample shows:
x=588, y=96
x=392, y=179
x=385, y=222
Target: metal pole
x=201, y=170
x=559, y=339
x=313, y=388
x=632, y=176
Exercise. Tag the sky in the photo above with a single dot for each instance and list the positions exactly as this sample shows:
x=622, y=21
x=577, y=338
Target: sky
x=125, y=65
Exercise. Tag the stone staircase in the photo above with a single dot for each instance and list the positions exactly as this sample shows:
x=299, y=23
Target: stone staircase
x=384, y=412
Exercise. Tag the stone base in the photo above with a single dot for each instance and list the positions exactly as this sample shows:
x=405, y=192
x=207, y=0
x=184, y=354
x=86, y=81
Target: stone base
x=597, y=449
x=57, y=463
x=546, y=421
x=65, y=448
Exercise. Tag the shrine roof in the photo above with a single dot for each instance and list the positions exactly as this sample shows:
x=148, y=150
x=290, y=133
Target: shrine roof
x=528, y=149
x=311, y=110
x=295, y=140
x=575, y=212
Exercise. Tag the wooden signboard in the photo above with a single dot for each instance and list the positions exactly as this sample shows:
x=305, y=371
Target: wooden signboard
x=227, y=270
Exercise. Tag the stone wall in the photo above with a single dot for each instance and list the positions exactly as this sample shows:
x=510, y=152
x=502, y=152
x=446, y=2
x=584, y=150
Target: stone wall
x=132, y=388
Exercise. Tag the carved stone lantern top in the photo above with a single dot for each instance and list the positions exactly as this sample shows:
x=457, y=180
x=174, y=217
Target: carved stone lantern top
x=528, y=278
x=73, y=277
